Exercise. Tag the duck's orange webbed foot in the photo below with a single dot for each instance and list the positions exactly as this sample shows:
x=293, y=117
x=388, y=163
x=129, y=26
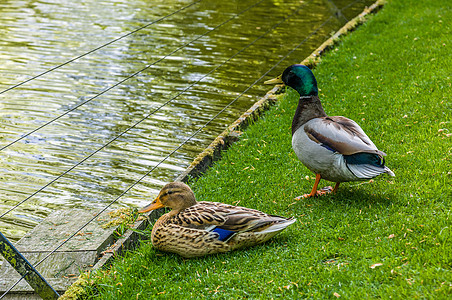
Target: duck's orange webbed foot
x=323, y=191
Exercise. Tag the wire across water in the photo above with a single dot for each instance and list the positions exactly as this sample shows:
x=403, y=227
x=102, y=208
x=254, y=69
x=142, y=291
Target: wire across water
x=80, y=134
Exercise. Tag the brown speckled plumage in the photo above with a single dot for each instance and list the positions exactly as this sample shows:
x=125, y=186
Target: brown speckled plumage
x=188, y=228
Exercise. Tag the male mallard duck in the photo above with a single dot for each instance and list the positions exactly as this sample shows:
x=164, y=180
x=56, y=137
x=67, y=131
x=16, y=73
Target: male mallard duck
x=194, y=228
x=334, y=148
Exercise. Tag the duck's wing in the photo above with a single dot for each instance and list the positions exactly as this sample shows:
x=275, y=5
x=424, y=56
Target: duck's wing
x=200, y=216
x=214, y=216
x=340, y=134
x=242, y=219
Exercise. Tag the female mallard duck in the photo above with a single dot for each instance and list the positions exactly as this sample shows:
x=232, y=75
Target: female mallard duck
x=194, y=228
x=334, y=148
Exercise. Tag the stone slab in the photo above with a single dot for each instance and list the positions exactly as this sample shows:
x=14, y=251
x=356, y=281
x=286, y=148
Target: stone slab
x=77, y=255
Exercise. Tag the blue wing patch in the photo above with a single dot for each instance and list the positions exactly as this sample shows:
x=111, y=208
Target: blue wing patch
x=224, y=234
x=328, y=147
x=365, y=158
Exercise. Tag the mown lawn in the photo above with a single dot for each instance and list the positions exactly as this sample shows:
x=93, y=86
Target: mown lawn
x=390, y=237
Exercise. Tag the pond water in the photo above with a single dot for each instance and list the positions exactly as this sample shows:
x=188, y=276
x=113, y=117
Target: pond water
x=93, y=95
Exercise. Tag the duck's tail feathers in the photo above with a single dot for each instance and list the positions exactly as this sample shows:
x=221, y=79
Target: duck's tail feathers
x=365, y=171
x=390, y=173
x=366, y=165
x=278, y=226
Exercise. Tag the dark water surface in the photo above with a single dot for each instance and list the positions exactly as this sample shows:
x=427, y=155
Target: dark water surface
x=38, y=35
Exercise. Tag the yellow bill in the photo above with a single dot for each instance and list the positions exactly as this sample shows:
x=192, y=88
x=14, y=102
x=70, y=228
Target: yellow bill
x=154, y=205
x=274, y=80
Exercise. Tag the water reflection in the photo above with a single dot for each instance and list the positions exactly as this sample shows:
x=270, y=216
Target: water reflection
x=38, y=35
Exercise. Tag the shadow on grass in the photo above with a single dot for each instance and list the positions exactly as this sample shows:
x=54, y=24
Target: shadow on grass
x=351, y=196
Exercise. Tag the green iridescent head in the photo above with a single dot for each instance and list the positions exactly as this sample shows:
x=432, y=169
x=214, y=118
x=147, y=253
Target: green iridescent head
x=300, y=78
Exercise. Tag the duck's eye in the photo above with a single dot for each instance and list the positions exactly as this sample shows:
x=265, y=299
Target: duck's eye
x=170, y=192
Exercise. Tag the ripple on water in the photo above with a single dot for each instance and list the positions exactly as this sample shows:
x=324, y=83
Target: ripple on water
x=36, y=36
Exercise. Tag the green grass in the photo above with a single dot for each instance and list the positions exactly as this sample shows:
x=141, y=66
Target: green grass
x=390, y=237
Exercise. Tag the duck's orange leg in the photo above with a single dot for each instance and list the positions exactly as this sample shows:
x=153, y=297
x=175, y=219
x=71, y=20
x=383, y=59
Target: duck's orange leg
x=314, y=188
x=336, y=187
x=321, y=192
